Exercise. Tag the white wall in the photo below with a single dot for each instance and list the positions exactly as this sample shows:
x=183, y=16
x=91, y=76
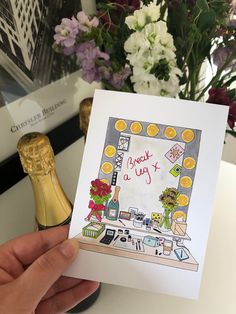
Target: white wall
x=229, y=151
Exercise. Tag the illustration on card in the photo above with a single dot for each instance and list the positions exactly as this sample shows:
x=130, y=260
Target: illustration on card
x=139, y=200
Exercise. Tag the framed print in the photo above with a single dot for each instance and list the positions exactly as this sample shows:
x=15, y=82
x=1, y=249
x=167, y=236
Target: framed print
x=40, y=90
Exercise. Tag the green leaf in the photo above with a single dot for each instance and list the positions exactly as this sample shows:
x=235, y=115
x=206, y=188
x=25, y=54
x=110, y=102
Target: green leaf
x=163, y=10
x=207, y=20
x=233, y=133
x=203, y=5
x=178, y=21
x=230, y=81
x=232, y=93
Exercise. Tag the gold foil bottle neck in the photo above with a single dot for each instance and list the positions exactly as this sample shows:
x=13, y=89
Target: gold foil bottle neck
x=84, y=114
x=36, y=154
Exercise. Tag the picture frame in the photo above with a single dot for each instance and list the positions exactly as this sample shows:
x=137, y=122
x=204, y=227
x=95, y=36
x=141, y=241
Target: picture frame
x=40, y=89
x=125, y=215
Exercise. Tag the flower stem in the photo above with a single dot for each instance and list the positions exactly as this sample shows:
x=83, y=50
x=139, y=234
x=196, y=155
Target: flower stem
x=217, y=76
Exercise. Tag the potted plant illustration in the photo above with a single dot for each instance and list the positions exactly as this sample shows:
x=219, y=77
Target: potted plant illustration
x=100, y=192
x=168, y=198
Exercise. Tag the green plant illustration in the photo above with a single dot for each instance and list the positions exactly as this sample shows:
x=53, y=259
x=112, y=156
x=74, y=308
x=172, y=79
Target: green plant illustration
x=169, y=201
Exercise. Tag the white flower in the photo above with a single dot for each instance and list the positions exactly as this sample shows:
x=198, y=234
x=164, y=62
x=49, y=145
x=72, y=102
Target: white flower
x=167, y=41
x=145, y=64
x=137, y=21
x=148, y=88
x=151, y=53
x=161, y=51
x=170, y=88
x=136, y=42
x=158, y=88
x=152, y=11
x=146, y=80
x=143, y=16
x=131, y=22
x=155, y=31
x=175, y=70
x=138, y=59
x=141, y=74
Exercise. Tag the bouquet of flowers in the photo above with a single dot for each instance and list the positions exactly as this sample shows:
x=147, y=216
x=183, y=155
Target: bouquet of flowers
x=161, y=47
x=100, y=192
x=169, y=200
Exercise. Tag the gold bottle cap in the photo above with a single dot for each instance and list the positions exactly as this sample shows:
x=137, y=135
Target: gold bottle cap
x=36, y=154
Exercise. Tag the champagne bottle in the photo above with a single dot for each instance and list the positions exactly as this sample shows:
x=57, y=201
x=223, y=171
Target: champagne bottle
x=85, y=108
x=53, y=208
x=113, y=206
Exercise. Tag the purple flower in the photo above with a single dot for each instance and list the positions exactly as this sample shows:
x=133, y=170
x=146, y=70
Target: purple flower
x=221, y=54
x=233, y=5
x=90, y=56
x=218, y=96
x=85, y=22
x=66, y=34
x=105, y=71
x=131, y=4
x=232, y=23
x=118, y=79
x=232, y=115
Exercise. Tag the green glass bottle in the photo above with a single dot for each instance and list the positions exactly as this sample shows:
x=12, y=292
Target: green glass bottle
x=113, y=206
x=53, y=208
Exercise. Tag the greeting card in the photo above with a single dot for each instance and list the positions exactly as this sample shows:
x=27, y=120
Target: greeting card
x=145, y=192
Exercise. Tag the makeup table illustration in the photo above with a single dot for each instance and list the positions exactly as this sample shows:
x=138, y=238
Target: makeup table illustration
x=139, y=202
x=154, y=246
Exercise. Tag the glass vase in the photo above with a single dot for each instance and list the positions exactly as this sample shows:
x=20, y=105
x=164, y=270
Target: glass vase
x=166, y=220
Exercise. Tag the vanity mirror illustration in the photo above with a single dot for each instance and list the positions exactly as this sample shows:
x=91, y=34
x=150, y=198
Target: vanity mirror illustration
x=140, y=198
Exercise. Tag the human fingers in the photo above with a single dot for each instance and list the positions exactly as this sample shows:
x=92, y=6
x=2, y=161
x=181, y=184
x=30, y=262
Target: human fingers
x=29, y=247
x=43, y=273
x=66, y=300
x=5, y=277
x=62, y=284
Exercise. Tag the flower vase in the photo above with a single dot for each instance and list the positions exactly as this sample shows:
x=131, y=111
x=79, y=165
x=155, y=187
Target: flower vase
x=165, y=223
x=96, y=211
x=100, y=213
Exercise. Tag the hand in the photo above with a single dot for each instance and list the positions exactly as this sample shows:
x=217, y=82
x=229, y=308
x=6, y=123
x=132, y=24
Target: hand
x=31, y=270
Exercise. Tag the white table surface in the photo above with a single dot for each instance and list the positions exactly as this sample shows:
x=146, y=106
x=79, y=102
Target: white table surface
x=218, y=288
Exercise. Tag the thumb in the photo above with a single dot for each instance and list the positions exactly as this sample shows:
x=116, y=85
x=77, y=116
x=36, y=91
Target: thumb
x=42, y=274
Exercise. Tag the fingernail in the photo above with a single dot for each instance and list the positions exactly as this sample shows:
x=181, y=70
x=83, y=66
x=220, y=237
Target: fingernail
x=69, y=248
